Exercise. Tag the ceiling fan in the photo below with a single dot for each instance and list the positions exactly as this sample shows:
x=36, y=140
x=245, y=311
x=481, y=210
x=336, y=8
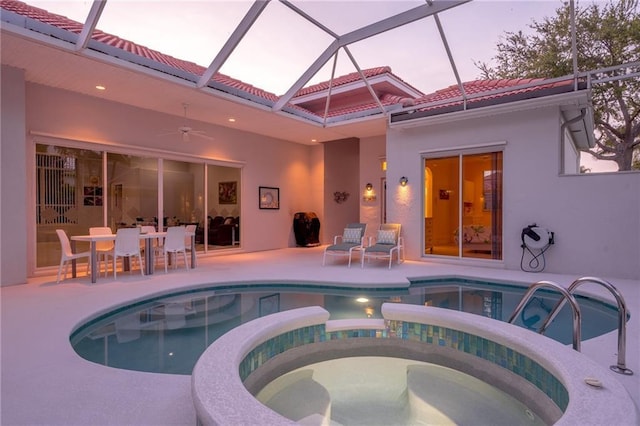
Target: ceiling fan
x=186, y=131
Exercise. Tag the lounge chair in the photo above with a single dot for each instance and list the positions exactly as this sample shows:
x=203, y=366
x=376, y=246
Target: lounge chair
x=387, y=241
x=351, y=240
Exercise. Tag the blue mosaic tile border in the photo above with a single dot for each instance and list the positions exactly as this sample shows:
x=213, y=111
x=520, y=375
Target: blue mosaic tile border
x=471, y=344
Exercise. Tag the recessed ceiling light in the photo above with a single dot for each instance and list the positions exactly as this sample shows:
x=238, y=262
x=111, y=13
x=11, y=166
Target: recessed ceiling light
x=362, y=300
x=314, y=140
x=232, y=120
x=101, y=87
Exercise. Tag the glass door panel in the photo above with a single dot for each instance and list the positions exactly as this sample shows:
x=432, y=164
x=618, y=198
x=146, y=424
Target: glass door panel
x=69, y=196
x=441, y=205
x=463, y=206
x=476, y=219
x=223, y=207
x=132, y=182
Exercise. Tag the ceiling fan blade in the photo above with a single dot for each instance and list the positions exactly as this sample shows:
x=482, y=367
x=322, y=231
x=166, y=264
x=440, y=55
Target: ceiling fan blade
x=202, y=134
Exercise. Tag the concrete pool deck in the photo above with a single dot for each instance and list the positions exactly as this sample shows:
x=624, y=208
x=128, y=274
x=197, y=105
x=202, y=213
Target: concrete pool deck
x=45, y=382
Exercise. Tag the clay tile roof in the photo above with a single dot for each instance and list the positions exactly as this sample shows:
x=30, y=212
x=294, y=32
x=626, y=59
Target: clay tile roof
x=521, y=87
x=65, y=23
x=342, y=80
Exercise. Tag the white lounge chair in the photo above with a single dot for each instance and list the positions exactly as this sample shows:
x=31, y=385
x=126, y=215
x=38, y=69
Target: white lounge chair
x=387, y=242
x=352, y=239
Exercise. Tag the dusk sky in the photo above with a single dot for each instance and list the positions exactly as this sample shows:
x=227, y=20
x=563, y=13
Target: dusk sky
x=281, y=45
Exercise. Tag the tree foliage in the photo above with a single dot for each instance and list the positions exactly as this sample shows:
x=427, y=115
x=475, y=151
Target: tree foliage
x=606, y=36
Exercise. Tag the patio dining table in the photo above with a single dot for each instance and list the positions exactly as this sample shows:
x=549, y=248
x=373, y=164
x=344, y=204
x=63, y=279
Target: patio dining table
x=148, y=250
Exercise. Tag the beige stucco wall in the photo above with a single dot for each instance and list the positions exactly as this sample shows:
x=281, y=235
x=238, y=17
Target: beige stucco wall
x=596, y=217
x=13, y=186
x=341, y=175
x=372, y=150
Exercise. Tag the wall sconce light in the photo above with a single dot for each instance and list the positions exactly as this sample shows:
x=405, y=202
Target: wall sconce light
x=404, y=181
x=368, y=193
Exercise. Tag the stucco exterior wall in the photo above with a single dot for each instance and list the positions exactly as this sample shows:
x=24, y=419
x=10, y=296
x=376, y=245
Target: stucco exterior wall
x=596, y=218
x=341, y=175
x=372, y=149
x=13, y=187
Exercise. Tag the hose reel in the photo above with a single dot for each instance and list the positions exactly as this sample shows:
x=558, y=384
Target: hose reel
x=536, y=241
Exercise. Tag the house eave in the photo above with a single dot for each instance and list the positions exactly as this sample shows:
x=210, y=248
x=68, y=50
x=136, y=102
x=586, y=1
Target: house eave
x=408, y=119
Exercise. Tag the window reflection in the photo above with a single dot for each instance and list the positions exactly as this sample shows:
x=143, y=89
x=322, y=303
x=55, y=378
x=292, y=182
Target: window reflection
x=72, y=194
x=223, y=208
x=69, y=196
x=133, y=190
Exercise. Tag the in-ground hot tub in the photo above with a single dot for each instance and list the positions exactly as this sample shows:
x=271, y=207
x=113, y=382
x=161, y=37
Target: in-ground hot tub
x=240, y=363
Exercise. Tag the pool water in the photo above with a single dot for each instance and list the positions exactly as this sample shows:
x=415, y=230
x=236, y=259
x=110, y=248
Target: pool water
x=392, y=391
x=168, y=334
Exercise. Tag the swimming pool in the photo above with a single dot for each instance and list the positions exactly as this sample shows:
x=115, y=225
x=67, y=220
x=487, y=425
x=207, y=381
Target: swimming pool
x=168, y=334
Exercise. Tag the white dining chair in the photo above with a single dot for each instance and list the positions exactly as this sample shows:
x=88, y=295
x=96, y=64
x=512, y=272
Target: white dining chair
x=190, y=230
x=104, y=249
x=127, y=245
x=67, y=254
x=155, y=244
x=174, y=244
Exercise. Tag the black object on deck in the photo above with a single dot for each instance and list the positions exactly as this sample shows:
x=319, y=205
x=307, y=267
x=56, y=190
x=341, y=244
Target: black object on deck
x=306, y=227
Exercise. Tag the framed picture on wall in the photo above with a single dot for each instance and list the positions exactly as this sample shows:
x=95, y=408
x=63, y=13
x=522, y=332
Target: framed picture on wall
x=228, y=193
x=268, y=198
x=92, y=196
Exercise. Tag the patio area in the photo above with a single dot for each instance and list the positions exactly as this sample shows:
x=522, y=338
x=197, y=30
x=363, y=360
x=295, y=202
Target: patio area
x=45, y=382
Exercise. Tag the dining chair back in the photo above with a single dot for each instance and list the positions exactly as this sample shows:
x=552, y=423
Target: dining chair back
x=127, y=245
x=190, y=234
x=67, y=254
x=104, y=249
x=174, y=244
x=155, y=245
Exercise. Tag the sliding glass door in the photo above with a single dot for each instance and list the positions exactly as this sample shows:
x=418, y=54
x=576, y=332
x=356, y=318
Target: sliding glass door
x=77, y=188
x=463, y=205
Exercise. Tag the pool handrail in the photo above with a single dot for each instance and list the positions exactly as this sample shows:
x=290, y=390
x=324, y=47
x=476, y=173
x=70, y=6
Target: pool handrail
x=575, y=308
x=620, y=367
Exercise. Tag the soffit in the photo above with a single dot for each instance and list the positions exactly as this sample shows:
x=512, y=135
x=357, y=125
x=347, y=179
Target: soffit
x=65, y=70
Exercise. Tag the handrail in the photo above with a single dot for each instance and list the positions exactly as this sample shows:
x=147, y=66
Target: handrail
x=566, y=296
x=620, y=367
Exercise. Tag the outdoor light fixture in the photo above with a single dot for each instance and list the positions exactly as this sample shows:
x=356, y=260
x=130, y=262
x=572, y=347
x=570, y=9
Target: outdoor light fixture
x=368, y=193
x=404, y=181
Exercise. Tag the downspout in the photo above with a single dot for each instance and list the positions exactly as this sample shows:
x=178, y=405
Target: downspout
x=583, y=112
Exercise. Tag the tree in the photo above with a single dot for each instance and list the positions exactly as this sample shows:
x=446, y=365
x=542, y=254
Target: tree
x=606, y=36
